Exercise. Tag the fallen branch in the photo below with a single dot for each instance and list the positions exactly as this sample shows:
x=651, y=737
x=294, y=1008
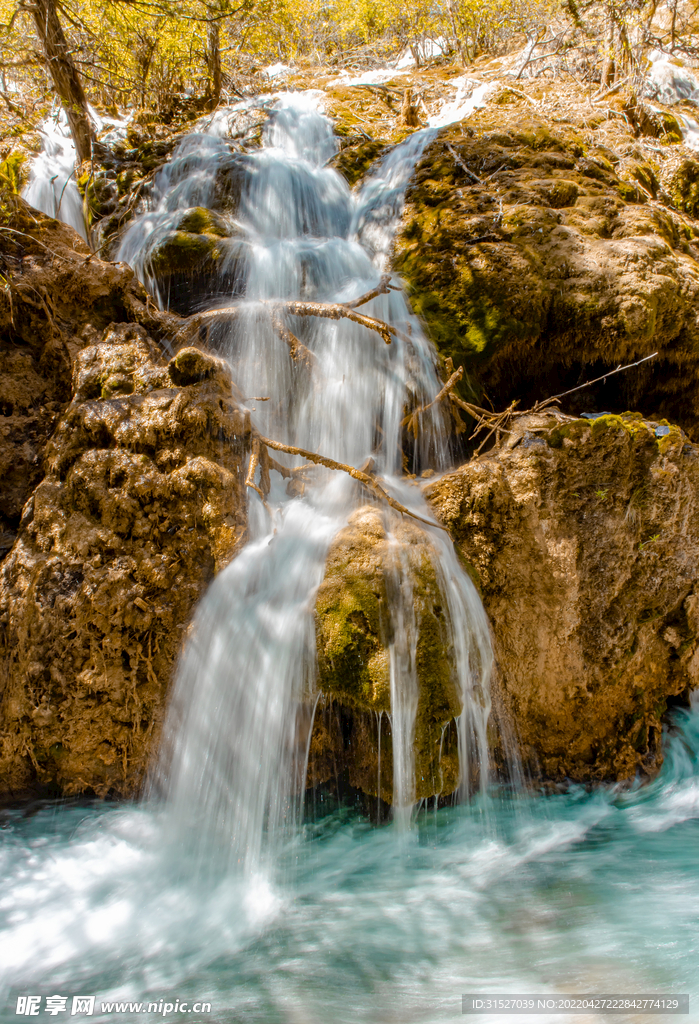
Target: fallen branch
x=337, y=311
x=463, y=166
x=327, y=310
x=297, y=350
x=498, y=423
x=411, y=420
x=619, y=369
x=321, y=460
x=382, y=288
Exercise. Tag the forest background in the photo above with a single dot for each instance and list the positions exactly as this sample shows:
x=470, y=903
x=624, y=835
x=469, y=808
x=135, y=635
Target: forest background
x=163, y=55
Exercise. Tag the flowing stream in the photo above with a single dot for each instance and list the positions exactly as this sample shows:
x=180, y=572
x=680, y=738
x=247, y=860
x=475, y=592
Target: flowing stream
x=234, y=746
x=216, y=889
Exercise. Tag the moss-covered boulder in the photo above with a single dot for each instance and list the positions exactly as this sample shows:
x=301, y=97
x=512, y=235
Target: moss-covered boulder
x=683, y=186
x=585, y=536
x=192, y=245
x=190, y=260
x=356, y=156
x=537, y=260
x=369, y=561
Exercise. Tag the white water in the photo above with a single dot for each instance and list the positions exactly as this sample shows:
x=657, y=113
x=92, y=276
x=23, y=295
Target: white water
x=237, y=733
x=587, y=892
x=52, y=186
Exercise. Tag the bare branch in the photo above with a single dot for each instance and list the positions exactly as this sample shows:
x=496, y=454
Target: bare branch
x=382, y=288
x=327, y=310
x=364, y=478
x=604, y=376
x=412, y=420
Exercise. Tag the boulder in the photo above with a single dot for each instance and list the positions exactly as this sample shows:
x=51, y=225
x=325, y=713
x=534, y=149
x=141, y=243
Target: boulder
x=143, y=502
x=583, y=536
x=538, y=258
x=358, y=600
x=56, y=298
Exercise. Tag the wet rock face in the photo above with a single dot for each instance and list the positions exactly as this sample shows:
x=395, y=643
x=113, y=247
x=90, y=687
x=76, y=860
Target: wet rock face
x=52, y=304
x=539, y=259
x=585, y=538
x=354, y=610
x=142, y=503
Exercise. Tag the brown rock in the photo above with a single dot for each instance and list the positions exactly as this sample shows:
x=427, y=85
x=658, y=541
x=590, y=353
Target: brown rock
x=55, y=299
x=585, y=539
x=538, y=258
x=143, y=502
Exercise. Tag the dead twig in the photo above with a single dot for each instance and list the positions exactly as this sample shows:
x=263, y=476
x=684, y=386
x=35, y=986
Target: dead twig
x=498, y=423
x=411, y=421
x=382, y=288
x=463, y=166
x=369, y=482
x=619, y=369
x=297, y=349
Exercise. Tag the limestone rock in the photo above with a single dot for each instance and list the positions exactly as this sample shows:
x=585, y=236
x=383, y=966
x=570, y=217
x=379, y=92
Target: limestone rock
x=538, y=258
x=584, y=536
x=54, y=301
x=354, y=606
x=142, y=503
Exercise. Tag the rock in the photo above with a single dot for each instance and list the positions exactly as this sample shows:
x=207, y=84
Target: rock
x=683, y=186
x=537, y=261
x=653, y=121
x=142, y=503
x=54, y=302
x=584, y=537
x=356, y=156
x=354, y=609
x=203, y=254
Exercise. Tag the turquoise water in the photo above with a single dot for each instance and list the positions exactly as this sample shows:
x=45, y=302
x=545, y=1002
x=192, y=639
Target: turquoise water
x=582, y=892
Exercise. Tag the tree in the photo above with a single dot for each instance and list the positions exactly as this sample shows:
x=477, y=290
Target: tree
x=63, y=72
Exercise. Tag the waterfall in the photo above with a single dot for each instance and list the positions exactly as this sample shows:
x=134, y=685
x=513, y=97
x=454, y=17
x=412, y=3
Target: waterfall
x=236, y=736
x=52, y=186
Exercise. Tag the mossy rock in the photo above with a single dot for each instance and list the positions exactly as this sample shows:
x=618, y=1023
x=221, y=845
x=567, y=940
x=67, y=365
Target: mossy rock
x=14, y=172
x=683, y=187
x=193, y=244
x=353, y=161
x=354, y=608
x=536, y=263
x=200, y=221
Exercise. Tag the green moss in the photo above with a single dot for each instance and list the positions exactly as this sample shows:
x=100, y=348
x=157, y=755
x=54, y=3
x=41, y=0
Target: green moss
x=352, y=654
x=181, y=253
x=354, y=161
x=200, y=221
x=573, y=431
x=470, y=569
x=683, y=187
x=353, y=638
x=13, y=172
x=630, y=193
x=466, y=321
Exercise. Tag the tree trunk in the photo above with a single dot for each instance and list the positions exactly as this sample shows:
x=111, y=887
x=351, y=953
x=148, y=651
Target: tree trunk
x=457, y=39
x=213, y=61
x=64, y=75
x=608, y=67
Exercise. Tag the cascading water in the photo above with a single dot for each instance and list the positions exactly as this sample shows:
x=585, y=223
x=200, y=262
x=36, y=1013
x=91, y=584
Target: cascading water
x=577, y=892
x=52, y=186
x=237, y=732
